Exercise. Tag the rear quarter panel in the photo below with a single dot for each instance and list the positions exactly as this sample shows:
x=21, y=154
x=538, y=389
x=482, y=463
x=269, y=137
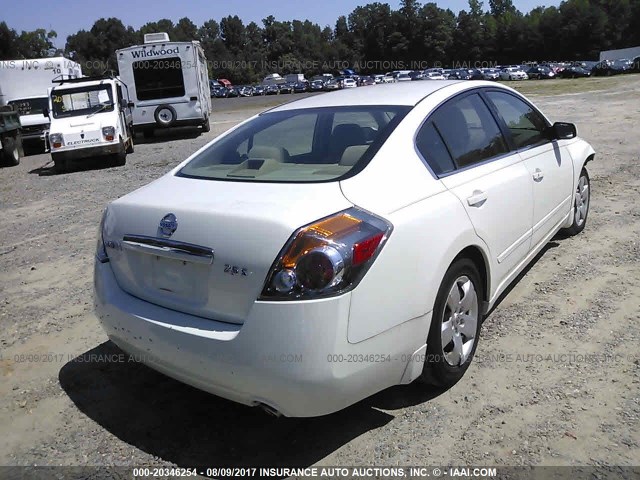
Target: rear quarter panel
x=430, y=228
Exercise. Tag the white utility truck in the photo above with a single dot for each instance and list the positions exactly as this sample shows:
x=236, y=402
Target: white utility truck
x=90, y=117
x=168, y=83
x=24, y=85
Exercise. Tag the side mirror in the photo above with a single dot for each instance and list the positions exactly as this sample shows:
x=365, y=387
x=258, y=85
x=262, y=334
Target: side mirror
x=563, y=131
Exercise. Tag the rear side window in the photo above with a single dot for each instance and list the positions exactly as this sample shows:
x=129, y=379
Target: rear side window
x=469, y=130
x=433, y=150
x=527, y=127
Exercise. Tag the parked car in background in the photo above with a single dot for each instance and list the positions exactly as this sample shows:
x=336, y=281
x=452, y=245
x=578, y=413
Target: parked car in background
x=275, y=238
x=446, y=73
x=245, y=91
x=433, y=76
x=367, y=81
x=220, y=92
x=403, y=77
x=459, y=74
x=574, y=72
x=490, y=73
x=286, y=88
x=316, y=85
x=513, y=73
x=615, y=67
x=416, y=75
x=475, y=74
x=331, y=85
x=349, y=83
x=233, y=92
x=301, y=87
x=540, y=73
x=272, y=89
x=258, y=90
x=636, y=65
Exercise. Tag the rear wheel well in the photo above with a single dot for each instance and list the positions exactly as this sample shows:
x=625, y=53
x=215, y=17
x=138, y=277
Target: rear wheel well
x=476, y=256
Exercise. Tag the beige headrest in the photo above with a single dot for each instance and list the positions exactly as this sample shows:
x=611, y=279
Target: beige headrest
x=352, y=154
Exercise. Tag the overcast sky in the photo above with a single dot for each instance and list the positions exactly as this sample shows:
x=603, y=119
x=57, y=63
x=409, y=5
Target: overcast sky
x=69, y=16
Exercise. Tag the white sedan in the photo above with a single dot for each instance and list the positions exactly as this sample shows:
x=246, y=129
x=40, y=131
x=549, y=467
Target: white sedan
x=337, y=245
x=513, y=73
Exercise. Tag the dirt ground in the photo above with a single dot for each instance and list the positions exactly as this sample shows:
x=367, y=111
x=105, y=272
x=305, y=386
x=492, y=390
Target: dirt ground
x=556, y=380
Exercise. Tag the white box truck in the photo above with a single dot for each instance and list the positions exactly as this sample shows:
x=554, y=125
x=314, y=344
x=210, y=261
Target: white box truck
x=24, y=85
x=168, y=83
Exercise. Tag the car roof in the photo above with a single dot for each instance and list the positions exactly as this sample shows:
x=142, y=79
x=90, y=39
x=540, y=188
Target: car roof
x=404, y=93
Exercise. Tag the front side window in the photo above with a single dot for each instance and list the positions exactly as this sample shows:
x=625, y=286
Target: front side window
x=469, y=130
x=156, y=79
x=306, y=145
x=527, y=126
x=70, y=102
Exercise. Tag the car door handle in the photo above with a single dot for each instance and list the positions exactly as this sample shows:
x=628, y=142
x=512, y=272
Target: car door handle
x=538, y=175
x=477, y=199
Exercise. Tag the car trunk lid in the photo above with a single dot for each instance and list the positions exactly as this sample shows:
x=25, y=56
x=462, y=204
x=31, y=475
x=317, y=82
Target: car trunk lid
x=226, y=236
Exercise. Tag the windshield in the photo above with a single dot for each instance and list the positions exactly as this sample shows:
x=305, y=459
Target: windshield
x=30, y=106
x=71, y=102
x=307, y=145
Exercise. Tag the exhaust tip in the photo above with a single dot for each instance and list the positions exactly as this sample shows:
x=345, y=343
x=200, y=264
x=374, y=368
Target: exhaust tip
x=270, y=410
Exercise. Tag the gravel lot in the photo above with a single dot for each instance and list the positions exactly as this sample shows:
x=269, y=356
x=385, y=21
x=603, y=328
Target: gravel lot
x=556, y=380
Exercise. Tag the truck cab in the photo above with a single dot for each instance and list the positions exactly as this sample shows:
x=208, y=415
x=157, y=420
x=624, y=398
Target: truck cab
x=90, y=117
x=34, y=118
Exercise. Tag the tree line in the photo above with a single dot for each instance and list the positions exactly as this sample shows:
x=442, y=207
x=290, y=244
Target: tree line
x=372, y=38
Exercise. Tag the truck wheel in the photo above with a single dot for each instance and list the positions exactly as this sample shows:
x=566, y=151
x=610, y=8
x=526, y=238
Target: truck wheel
x=165, y=116
x=11, y=151
x=120, y=158
x=206, y=126
x=60, y=165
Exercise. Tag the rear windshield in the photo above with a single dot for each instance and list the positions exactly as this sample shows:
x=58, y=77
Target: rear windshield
x=306, y=145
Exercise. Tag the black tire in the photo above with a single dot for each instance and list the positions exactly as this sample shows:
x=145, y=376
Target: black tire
x=120, y=158
x=11, y=151
x=580, y=201
x=60, y=165
x=206, y=126
x=165, y=116
x=438, y=368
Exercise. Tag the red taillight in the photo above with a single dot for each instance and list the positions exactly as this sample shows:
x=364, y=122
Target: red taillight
x=364, y=250
x=327, y=257
x=109, y=138
x=57, y=145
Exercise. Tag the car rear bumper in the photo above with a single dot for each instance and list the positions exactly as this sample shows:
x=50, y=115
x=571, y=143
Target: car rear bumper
x=291, y=356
